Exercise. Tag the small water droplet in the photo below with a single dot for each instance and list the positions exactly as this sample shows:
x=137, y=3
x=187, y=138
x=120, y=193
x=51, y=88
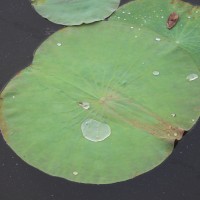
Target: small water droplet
x=84, y=105
x=192, y=77
x=95, y=131
x=139, y=29
x=177, y=42
x=132, y=27
x=13, y=97
x=197, y=11
x=193, y=120
x=118, y=17
x=129, y=13
x=75, y=173
x=123, y=12
x=158, y=39
x=124, y=19
x=173, y=115
x=175, y=134
x=189, y=17
x=59, y=44
x=136, y=36
x=162, y=17
x=156, y=73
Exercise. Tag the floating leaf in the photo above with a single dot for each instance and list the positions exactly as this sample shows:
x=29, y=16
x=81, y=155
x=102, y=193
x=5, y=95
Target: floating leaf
x=75, y=12
x=134, y=86
x=153, y=15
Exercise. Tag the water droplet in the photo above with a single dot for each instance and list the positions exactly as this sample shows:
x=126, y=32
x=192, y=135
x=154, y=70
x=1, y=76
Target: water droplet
x=129, y=13
x=173, y=115
x=132, y=27
x=192, y=77
x=177, y=42
x=95, y=131
x=118, y=17
x=197, y=11
x=13, y=97
x=162, y=17
x=136, y=36
x=189, y=17
x=158, y=39
x=75, y=173
x=124, y=19
x=156, y=73
x=123, y=12
x=175, y=134
x=59, y=44
x=193, y=120
x=84, y=105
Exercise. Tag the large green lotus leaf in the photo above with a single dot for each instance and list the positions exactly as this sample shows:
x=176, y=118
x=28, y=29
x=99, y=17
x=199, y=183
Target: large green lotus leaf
x=153, y=14
x=75, y=12
x=101, y=103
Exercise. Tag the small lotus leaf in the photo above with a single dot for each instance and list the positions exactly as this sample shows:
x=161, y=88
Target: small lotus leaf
x=75, y=12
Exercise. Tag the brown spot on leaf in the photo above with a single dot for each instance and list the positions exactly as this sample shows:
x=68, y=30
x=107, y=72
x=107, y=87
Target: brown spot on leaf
x=172, y=20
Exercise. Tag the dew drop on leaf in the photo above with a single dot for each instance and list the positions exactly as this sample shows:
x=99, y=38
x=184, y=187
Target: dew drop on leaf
x=156, y=73
x=192, y=77
x=75, y=173
x=84, y=105
x=157, y=39
x=95, y=131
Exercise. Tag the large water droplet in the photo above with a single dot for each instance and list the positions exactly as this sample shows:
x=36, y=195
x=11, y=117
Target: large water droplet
x=192, y=77
x=95, y=131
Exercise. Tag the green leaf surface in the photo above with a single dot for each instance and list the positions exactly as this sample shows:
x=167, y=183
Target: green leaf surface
x=75, y=12
x=103, y=103
x=153, y=14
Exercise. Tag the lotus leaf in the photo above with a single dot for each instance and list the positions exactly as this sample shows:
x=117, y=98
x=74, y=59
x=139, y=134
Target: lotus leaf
x=75, y=12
